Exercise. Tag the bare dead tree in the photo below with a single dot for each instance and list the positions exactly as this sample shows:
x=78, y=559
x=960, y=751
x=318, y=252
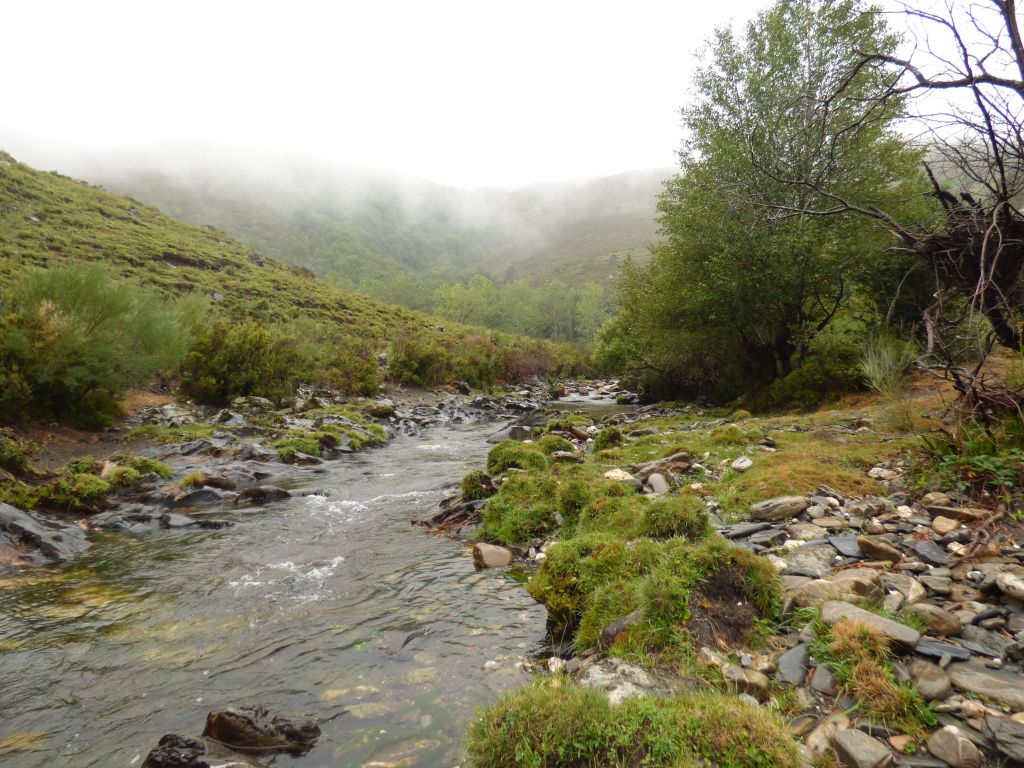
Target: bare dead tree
x=961, y=84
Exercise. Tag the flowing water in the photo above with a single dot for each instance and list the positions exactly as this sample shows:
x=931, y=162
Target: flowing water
x=329, y=606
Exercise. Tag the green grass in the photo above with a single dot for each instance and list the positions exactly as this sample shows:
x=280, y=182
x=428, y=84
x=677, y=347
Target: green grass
x=170, y=435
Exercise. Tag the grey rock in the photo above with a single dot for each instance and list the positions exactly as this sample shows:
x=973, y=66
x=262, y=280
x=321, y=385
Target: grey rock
x=657, y=483
x=835, y=611
x=780, y=508
x=930, y=679
x=261, y=494
x=198, y=496
x=814, y=560
x=824, y=681
x=1007, y=736
x=1001, y=686
x=1011, y=584
x=54, y=541
x=879, y=549
x=907, y=586
x=793, y=665
x=936, y=650
x=491, y=556
x=984, y=641
x=746, y=681
x=930, y=552
x=847, y=546
x=742, y=530
x=950, y=745
x=938, y=620
x=855, y=749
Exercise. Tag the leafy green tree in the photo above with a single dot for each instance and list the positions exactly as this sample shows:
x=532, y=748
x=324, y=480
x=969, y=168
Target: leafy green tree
x=741, y=275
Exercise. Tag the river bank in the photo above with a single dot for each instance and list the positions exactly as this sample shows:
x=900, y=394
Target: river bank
x=827, y=597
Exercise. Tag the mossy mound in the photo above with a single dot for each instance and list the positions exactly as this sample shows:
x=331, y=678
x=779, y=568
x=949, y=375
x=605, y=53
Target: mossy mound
x=511, y=454
x=555, y=724
x=477, y=485
x=592, y=580
x=551, y=443
x=609, y=437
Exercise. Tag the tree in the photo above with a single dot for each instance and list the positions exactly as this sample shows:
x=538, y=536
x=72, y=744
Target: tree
x=732, y=271
x=964, y=79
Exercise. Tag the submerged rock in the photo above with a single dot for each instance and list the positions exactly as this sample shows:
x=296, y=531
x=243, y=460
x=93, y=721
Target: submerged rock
x=174, y=751
x=251, y=729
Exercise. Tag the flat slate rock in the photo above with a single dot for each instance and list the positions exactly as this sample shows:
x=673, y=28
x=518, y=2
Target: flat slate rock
x=936, y=650
x=835, y=611
x=984, y=642
x=814, y=560
x=847, y=546
x=930, y=552
x=1006, y=688
x=742, y=530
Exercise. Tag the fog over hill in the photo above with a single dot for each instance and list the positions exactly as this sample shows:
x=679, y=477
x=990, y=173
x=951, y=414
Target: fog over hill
x=360, y=226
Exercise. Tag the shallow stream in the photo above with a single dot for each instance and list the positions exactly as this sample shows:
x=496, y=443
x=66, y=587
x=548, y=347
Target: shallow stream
x=329, y=606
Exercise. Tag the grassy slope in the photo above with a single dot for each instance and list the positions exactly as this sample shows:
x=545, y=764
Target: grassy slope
x=48, y=219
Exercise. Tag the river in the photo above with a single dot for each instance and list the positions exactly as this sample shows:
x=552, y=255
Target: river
x=331, y=606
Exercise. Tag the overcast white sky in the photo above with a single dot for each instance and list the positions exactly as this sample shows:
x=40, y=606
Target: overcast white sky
x=462, y=92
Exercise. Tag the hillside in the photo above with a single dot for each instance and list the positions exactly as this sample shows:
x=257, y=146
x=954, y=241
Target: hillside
x=48, y=219
x=362, y=228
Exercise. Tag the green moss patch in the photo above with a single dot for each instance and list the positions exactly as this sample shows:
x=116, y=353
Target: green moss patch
x=555, y=724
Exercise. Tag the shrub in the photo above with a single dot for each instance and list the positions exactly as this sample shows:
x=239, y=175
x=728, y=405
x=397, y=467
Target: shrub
x=192, y=480
x=14, y=453
x=551, y=443
x=419, y=361
x=609, y=437
x=511, y=453
x=145, y=465
x=555, y=723
x=477, y=485
x=884, y=363
x=229, y=360
x=77, y=338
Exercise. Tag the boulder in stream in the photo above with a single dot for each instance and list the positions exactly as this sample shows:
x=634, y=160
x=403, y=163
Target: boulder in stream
x=39, y=540
x=251, y=729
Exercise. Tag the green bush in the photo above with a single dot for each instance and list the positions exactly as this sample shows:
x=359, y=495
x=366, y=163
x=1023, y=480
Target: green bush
x=76, y=338
x=123, y=477
x=419, y=361
x=554, y=723
x=512, y=454
x=14, y=453
x=77, y=491
x=884, y=363
x=229, y=360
